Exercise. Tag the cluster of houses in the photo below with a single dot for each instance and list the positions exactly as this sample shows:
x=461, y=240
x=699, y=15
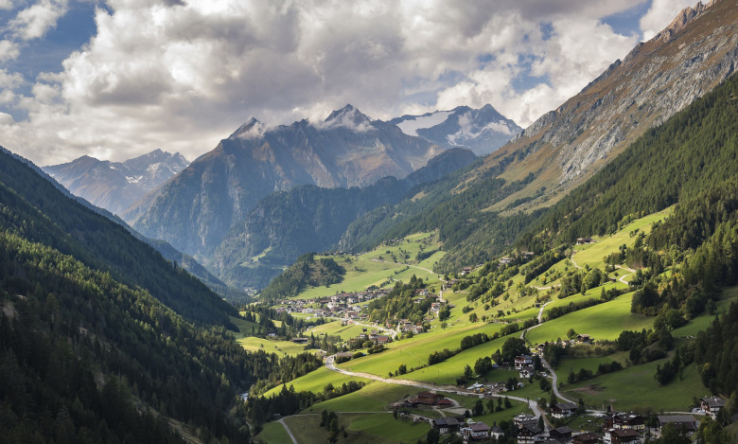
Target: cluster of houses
x=340, y=305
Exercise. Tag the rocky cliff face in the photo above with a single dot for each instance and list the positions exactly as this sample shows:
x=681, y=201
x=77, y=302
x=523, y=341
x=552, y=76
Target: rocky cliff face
x=114, y=186
x=657, y=79
x=195, y=209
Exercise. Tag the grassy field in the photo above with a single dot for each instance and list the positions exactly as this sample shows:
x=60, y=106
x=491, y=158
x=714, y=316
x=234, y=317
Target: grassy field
x=379, y=266
x=244, y=327
x=281, y=348
x=575, y=364
x=374, y=397
x=336, y=329
x=316, y=381
x=636, y=387
x=704, y=320
x=603, y=321
x=273, y=433
x=414, y=352
x=593, y=254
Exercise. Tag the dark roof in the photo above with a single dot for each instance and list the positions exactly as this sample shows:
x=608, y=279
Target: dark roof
x=479, y=427
x=624, y=433
x=564, y=430
x=680, y=421
x=566, y=406
x=714, y=401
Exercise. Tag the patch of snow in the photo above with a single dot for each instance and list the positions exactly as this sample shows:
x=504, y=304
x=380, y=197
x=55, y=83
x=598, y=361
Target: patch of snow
x=134, y=179
x=468, y=130
x=412, y=125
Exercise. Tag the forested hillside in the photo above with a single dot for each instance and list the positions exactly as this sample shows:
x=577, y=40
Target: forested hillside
x=34, y=209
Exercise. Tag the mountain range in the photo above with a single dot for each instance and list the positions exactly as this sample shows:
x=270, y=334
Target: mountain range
x=195, y=209
x=117, y=185
x=481, y=130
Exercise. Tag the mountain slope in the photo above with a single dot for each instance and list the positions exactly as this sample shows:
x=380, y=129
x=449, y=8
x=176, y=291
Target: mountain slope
x=117, y=185
x=286, y=225
x=481, y=130
x=195, y=209
x=99, y=243
x=566, y=146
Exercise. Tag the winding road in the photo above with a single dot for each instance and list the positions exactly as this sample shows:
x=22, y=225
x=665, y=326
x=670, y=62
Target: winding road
x=329, y=363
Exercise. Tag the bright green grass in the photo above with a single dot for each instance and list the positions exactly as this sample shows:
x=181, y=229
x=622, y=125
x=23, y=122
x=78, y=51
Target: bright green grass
x=281, y=348
x=374, y=397
x=636, y=387
x=273, y=433
x=504, y=415
x=316, y=381
x=365, y=270
x=414, y=352
x=593, y=254
x=446, y=372
x=379, y=428
x=336, y=329
x=603, y=321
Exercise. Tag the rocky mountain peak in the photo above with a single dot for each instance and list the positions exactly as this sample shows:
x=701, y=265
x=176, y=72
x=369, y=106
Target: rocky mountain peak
x=682, y=19
x=348, y=116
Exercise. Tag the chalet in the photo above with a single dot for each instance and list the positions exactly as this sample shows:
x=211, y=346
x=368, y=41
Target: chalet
x=619, y=436
x=466, y=271
x=523, y=420
x=527, y=371
x=712, y=405
x=445, y=425
x=300, y=340
x=626, y=421
x=476, y=432
x=382, y=339
x=528, y=434
x=561, y=433
x=583, y=339
x=523, y=361
x=505, y=261
x=680, y=422
x=429, y=398
x=344, y=355
x=586, y=438
x=563, y=409
x=585, y=240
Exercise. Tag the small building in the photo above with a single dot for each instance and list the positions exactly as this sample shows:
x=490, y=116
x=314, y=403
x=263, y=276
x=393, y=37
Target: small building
x=300, y=340
x=466, y=271
x=626, y=421
x=712, y=405
x=620, y=436
x=563, y=409
x=382, y=339
x=496, y=432
x=429, y=398
x=586, y=438
x=523, y=420
x=445, y=425
x=528, y=434
x=523, y=361
x=562, y=433
x=584, y=240
x=476, y=432
x=527, y=372
x=583, y=339
x=680, y=422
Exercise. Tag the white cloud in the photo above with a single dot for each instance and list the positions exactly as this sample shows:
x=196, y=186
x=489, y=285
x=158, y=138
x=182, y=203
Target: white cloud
x=183, y=75
x=660, y=14
x=35, y=21
x=6, y=4
x=8, y=50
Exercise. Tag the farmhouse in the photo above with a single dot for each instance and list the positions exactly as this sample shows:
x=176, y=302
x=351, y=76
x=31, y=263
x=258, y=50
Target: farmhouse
x=626, y=421
x=300, y=340
x=583, y=338
x=528, y=434
x=476, y=432
x=561, y=433
x=496, y=432
x=619, y=436
x=445, y=425
x=523, y=420
x=712, y=405
x=527, y=372
x=563, y=409
x=523, y=361
x=681, y=422
x=585, y=240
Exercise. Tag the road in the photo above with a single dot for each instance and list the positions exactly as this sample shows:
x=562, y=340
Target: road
x=407, y=382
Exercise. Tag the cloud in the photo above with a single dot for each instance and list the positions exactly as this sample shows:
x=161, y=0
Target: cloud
x=6, y=4
x=660, y=14
x=8, y=50
x=35, y=21
x=182, y=75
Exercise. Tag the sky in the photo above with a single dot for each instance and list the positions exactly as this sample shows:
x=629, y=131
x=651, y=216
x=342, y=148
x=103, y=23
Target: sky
x=115, y=79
